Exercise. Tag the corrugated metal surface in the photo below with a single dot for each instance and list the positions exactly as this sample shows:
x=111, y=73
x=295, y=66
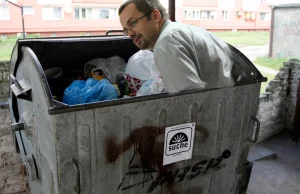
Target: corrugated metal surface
x=92, y=136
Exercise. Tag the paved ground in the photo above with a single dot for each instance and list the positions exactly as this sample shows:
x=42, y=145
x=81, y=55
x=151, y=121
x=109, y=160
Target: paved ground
x=252, y=52
x=280, y=175
x=266, y=70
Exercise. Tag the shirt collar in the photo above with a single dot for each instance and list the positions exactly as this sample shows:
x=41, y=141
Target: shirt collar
x=167, y=22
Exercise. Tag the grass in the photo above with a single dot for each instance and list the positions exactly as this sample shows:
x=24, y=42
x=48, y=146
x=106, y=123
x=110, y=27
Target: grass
x=264, y=85
x=7, y=45
x=5, y=51
x=245, y=38
x=274, y=63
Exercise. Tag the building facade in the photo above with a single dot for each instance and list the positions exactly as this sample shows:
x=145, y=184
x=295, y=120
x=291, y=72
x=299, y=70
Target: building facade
x=94, y=17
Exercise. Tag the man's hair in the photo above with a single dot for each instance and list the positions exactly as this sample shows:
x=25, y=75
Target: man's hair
x=146, y=6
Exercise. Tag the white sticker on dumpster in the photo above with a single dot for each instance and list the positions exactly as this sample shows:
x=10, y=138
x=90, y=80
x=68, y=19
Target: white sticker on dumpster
x=179, y=141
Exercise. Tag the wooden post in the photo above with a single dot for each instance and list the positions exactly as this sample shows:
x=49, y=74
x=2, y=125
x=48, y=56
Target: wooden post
x=172, y=10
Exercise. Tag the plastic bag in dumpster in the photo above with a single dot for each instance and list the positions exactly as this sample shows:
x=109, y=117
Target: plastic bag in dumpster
x=153, y=86
x=140, y=68
x=92, y=90
x=111, y=67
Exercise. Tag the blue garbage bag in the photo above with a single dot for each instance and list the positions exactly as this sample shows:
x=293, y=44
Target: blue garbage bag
x=92, y=90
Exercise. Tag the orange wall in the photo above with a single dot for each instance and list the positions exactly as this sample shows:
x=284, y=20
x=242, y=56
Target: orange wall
x=200, y=3
x=233, y=22
x=264, y=6
x=98, y=1
x=35, y=23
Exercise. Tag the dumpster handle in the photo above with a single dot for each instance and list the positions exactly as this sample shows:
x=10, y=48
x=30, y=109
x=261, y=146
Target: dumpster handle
x=75, y=163
x=256, y=131
x=115, y=31
x=17, y=127
x=18, y=85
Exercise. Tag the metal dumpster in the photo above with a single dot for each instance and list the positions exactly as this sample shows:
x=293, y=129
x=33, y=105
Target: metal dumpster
x=118, y=146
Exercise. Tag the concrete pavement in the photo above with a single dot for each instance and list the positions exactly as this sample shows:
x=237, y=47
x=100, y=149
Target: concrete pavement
x=252, y=52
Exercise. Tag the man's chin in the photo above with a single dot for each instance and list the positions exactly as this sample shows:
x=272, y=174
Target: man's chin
x=141, y=47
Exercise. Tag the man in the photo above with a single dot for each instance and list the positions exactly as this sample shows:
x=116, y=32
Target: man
x=187, y=56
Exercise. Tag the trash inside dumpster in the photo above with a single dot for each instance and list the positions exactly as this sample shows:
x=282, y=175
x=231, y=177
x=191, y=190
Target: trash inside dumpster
x=195, y=141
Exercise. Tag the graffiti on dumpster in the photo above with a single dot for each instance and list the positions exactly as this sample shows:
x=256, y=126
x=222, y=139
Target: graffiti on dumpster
x=150, y=166
x=177, y=175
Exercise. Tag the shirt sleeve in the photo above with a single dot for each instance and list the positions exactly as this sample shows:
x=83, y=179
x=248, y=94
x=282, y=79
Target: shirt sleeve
x=173, y=59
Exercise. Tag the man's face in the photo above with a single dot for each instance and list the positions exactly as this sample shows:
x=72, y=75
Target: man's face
x=144, y=32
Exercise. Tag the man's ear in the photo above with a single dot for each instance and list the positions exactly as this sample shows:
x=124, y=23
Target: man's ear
x=156, y=15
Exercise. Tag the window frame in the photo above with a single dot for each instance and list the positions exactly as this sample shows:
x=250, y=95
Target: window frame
x=95, y=13
x=8, y=13
x=196, y=14
x=32, y=13
x=227, y=15
x=53, y=13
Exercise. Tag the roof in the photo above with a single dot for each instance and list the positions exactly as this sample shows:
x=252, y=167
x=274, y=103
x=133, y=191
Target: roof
x=290, y=5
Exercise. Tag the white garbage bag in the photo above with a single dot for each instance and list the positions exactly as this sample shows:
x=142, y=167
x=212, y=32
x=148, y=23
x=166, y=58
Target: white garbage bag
x=140, y=69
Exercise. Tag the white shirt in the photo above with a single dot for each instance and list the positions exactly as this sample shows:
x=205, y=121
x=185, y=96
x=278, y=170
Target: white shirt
x=190, y=57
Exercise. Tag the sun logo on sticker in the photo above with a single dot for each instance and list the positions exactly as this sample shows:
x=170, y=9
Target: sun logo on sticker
x=178, y=138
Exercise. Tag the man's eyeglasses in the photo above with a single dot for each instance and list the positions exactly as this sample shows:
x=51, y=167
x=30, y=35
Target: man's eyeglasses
x=131, y=24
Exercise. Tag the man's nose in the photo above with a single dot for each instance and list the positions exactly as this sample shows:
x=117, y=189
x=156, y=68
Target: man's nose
x=131, y=33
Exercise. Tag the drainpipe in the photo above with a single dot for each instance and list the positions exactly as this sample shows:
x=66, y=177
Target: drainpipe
x=272, y=32
x=172, y=10
x=22, y=15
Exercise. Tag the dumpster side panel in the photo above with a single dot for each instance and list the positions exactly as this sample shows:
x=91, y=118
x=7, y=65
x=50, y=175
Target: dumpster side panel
x=37, y=137
x=120, y=148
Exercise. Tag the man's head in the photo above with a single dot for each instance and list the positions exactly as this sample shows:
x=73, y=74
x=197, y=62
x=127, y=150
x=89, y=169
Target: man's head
x=142, y=20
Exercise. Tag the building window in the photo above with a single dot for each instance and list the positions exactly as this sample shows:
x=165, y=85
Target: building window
x=263, y=1
x=109, y=13
x=225, y=15
x=249, y=16
x=52, y=13
x=3, y=36
x=53, y=34
x=83, y=13
x=204, y=15
x=208, y=15
x=264, y=16
x=28, y=10
x=4, y=13
x=197, y=14
x=238, y=14
x=76, y=13
x=95, y=13
x=192, y=14
x=104, y=13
